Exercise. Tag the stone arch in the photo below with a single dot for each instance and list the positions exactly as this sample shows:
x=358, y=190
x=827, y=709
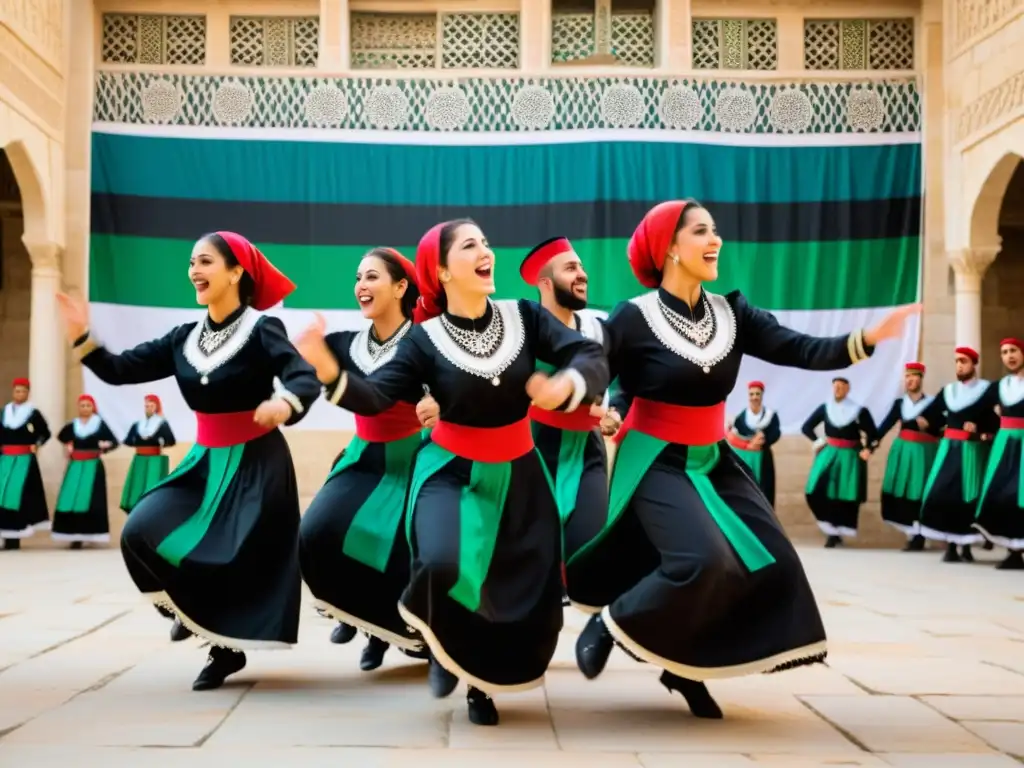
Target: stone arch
x=33, y=193
x=988, y=201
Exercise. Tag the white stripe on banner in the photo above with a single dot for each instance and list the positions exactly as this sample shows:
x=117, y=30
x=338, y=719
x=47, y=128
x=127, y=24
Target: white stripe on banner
x=517, y=138
x=792, y=393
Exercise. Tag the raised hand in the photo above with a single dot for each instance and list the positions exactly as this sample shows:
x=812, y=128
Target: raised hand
x=891, y=326
x=314, y=350
x=75, y=314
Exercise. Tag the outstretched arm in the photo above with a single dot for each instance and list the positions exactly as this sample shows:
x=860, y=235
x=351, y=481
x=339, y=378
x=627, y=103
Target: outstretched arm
x=149, y=361
x=401, y=379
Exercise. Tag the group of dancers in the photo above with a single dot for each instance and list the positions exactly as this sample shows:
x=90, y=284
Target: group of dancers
x=476, y=490
x=80, y=514
x=953, y=473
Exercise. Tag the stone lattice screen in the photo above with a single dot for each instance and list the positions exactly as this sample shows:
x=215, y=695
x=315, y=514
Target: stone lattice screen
x=632, y=37
x=735, y=44
x=859, y=44
x=275, y=41
x=153, y=39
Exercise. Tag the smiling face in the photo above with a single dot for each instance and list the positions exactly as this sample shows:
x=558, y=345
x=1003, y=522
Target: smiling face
x=568, y=279
x=1012, y=357
x=754, y=397
x=375, y=291
x=697, y=245
x=470, y=263
x=85, y=409
x=210, y=274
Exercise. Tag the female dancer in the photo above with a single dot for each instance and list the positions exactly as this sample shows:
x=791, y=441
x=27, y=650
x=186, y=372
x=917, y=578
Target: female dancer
x=352, y=557
x=217, y=540
x=80, y=514
x=149, y=437
x=752, y=434
x=23, y=431
x=688, y=532
x=485, y=589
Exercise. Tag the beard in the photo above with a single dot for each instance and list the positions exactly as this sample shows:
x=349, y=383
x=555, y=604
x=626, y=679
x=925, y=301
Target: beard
x=564, y=297
x=965, y=376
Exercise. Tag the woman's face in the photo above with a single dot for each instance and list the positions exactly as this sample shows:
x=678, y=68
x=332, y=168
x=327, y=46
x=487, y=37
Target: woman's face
x=376, y=292
x=210, y=275
x=85, y=409
x=470, y=267
x=697, y=245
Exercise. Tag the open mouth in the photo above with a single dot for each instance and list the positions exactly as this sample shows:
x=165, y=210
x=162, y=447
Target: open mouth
x=711, y=257
x=365, y=300
x=201, y=285
x=484, y=271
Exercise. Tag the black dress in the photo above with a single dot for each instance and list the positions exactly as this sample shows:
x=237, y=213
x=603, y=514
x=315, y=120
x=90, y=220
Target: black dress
x=761, y=461
x=352, y=545
x=23, y=509
x=485, y=590
x=150, y=464
x=695, y=572
x=217, y=541
x=80, y=514
x=838, y=481
x=1000, y=514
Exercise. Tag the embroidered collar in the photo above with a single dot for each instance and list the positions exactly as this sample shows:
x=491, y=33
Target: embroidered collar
x=960, y=395
x=87, y=428
x=757, y=421
x=499, y=360
x=717, y=349
x=206, y=364
x=17, y=414
x=1011, y=390
x=359, y=350
x=842, y=413
x=910, y=410
x=147, y=427
x=589, y=324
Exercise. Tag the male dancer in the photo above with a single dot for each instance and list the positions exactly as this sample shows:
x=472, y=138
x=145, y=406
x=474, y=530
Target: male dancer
x=910, y=457
x=752, y=434
x=950, y=500
x=1000, y=516
x=837, y=485
x=23, y=430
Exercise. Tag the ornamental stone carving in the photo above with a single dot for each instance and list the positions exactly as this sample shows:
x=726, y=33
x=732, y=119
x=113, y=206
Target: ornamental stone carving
x=387, y=107
x=326, y=106
x=447, y=109
x=681, y=108
x=533, y=107
x=622, y=106
x=161, y=102
x=232, y=104
x=736, y=109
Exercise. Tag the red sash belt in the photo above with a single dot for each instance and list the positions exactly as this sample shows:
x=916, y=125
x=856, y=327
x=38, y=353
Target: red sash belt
x=17, y=450
x=396, y=423
x=220, y=430
x=147, y=450
x=490, y=444
x=579, y=420
x=679, y=424
x=839, y=442
x=738, y=442
x=1011, y=422
x=84, y=455
x=959, y=434
x=914, y=436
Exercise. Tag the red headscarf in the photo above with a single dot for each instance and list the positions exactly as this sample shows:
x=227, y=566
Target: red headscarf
x=271, y=284
x=649, y=244
x=156, y=400
x=89, y=399
x=428, y=258
x=407, y=266
x=21, y=382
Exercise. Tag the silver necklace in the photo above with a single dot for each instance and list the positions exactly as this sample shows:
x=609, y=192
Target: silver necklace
x=210, y=340
x=700, y=332
x=378, y=349
x=480, y=344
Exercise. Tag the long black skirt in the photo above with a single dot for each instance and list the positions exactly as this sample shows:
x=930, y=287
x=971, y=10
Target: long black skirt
x=217, y=543
x=1000, y=515
x=353, y=549
x=23, y=509
x=699, y=577
x=951, y=492
x=485, y=590
x=80, y=514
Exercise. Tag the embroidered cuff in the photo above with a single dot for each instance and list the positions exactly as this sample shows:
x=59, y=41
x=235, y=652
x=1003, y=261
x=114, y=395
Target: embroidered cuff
x=334, y=391
x=84, y=345
x=856, y=348
x=281, y=393
x=579, y=389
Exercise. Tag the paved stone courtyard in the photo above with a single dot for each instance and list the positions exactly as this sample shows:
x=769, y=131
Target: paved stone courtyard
x=926, y=670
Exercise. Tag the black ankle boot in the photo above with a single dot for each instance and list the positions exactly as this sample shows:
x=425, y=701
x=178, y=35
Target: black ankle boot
x=965, y=554
x=988, y=546
x=75, y=545
x=12, y=543
x=179, y=631
x=441, y=681
x=343, y=633
x=697, y=696
x=915, y=544
x=422, y=654
x=593, y=647
x=1013, y=562
x=832, y=542
x=221, y=663
x=373, y=654
x=951, y=556
x=481, y=708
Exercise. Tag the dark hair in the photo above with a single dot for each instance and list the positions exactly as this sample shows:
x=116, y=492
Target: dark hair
x=447, y=240
x=246, y=286
x=691, y=205
x=397, y=273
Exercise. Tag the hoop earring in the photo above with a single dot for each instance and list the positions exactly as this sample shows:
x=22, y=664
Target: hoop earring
x=446, y=277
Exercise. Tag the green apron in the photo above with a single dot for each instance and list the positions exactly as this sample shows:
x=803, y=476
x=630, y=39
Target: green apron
x=753, y=459
x=907, y=468
x=76, y=490
x=143, y=473
x=1002, y=439
x=13, y=471
x=843, y=466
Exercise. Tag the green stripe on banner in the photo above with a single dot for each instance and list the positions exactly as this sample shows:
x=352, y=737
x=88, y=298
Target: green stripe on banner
x=386, y=174
x=854, y=274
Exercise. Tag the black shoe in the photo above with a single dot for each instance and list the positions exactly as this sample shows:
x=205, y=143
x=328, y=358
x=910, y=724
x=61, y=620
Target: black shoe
x=481, y=708
x=12, y=543
x=915, y=544
x=951, y=555
x=179, y=631
x=373, y=654
x=75, y=545
x=697, y=696
x=1013, y=562
x=343, y=633
x=422, y=654
x=220, y=664
x=441, y=681
x=593, y=647
x=988, y=546
x=965, y=554
x=832, y=542
x=167, y=613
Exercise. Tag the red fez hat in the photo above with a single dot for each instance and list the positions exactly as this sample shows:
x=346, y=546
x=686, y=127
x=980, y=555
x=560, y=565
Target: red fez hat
x=271, y=284
x=156, y=401
x=21, y=381
x=1010, y=341
x=969, y=353
x=428, y=257
x=88, y=399
x=648, y=247
x=539, y=257
x=914, y=368
x=756, y=385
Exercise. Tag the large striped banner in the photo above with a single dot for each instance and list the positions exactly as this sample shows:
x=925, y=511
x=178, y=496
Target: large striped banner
x=824, y=230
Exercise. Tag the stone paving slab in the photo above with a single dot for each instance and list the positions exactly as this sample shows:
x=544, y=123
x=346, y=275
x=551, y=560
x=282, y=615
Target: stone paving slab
x=929, y=675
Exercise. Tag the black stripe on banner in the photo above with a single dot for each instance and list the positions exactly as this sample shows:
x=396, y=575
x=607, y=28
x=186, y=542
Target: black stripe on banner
x=507, y=226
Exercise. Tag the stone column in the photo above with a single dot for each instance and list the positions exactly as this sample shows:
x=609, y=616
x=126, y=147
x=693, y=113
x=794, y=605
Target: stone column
x=969, y=267
x=47, y=345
